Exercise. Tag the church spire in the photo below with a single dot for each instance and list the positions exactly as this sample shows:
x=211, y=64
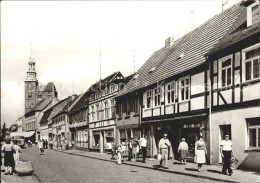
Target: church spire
x=31, y=73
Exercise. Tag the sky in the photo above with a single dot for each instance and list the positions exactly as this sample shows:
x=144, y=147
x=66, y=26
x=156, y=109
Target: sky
x=68, y=36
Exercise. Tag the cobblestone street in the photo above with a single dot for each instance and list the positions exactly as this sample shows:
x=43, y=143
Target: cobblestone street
x=55, y=166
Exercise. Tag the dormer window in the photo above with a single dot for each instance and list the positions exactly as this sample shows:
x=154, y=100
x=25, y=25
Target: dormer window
x=253, y=14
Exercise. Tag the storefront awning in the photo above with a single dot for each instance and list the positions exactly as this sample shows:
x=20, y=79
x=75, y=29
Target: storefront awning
x=25, y=134
x=176, y=118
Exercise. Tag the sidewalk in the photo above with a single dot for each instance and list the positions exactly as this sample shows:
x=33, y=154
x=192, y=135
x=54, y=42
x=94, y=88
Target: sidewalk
x=211, y=172
x=16, y=178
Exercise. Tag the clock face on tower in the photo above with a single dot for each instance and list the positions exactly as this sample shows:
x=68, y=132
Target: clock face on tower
x=31, y=87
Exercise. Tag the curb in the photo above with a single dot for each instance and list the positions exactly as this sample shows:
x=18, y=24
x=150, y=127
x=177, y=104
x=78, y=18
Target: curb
x=152, y=168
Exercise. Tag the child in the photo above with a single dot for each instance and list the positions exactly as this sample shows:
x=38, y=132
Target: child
x=119, y=155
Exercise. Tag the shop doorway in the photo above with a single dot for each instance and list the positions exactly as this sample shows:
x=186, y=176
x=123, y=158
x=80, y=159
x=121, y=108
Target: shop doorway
x=191, y=135
x=225, y=130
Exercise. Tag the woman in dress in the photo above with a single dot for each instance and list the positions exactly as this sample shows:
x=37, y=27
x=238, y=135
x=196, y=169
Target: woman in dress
x=200, y=153
x=17, y=151
x=119, y=154
x=183, y=150
x=40, y=147
x=7, y=149
x=135, y=148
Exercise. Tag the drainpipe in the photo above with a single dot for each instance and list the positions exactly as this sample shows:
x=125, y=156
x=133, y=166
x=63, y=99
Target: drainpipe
x=210, y=110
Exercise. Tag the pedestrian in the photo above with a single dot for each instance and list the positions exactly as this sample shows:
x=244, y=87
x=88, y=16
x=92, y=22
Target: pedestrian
x=183, y=149
x=135, y=148
x=226, y=154
x=200, y=153
x=164, y=145
x=43, y=143
x=8, y=149
x=119, y=154
x=46, y=144
x=113, y=144
x=51, y=144
x=40, y=147
x=55, y=145
x=143, y=144
x=130, y=149
x=17, y=152
x=66, y=144
x=29, y=143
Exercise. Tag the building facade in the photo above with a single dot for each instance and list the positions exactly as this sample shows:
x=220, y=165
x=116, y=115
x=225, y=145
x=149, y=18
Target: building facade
x=174, y=86
x=235, y=91
x=102, y=127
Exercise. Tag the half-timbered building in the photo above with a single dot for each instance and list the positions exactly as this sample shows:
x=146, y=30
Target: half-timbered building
x=235, y=92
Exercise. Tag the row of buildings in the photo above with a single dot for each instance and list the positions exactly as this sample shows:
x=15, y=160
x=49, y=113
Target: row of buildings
x=205, y=83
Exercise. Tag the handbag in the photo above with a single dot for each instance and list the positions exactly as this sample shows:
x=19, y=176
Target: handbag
x=233, y=160
x=159, y=157
x=24, y=167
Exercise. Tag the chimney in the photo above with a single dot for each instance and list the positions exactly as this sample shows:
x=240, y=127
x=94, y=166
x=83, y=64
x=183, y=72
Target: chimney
x=169, y=42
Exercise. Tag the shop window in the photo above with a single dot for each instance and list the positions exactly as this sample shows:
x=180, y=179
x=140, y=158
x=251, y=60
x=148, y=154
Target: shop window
x=184, y=84
x=157, y=96
x=225, y=71
x=148, y=99
x=170, y=93
x=251, y=63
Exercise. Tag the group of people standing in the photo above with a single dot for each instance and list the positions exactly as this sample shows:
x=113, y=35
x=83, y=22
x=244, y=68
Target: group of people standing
x=11, y=155
x=134, y=147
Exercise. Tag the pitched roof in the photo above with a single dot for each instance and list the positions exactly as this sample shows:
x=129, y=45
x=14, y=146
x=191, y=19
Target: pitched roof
x=194, y=45
x=239, y=31
x=41, y=105
x=65, y=109
x=55, y=109
x=83, y=101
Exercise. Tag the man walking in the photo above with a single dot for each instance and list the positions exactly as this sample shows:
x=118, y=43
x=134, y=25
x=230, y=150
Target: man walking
x=130, y=149
x=163, y=149
x=113, y=144
x=226, y=153
x=143, y=144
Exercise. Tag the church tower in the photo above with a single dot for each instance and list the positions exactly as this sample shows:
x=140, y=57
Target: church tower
x=31, y=83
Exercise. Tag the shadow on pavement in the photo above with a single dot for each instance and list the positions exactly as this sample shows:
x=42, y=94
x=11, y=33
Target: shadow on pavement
x=178, y=163
x=215, y=171
x=191, y=169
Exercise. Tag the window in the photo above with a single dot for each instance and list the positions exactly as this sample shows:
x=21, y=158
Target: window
x=252, y=63
x=136, y=106
x=254, y=136
x=112, y=101
x=255, y=14
x=148, y=99
x=91, y=97
x=96, y=95
x=225, y=71
x=184, y=89
x=170, y=92
x=97, y=110
x=29, y=94
x=106, y=110
x=157, y=96
x=92, y=113
x=128, y=111
x=113, y=88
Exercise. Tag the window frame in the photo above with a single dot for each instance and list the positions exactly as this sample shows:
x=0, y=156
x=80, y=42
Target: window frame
x=106, y=110
x=244, y=61
x=150, y=97
x=220, y=61
x=257, y=127
x=169, y=92
x=185, y=86
x=250, y=13
x=157, y=96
